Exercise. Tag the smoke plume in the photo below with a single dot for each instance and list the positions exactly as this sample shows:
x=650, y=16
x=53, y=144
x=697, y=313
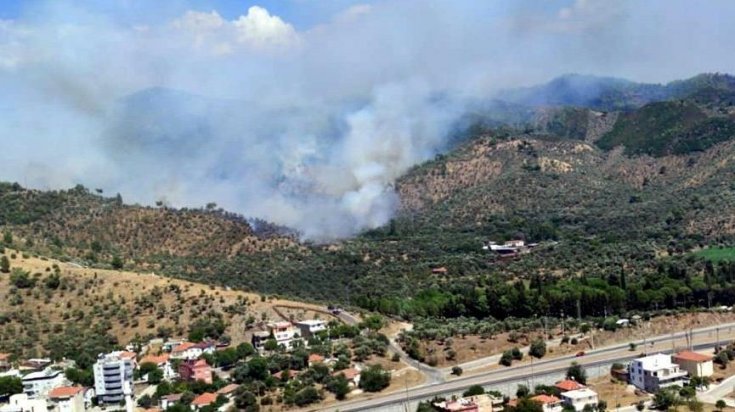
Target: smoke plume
x=302, y=123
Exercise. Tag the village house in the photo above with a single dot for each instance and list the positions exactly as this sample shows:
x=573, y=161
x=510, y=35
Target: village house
x=20, y=402
x=309, y=328
x=457, y=405
x=352, y=375
x=259, y=339
x=315, y=358
x=190, y=351
x=478, y=403
x=695, y=364
x=655, y=372
x=196, y=370
x=282, y=332
x=35, y=364
x=207, y=398
x=169, y=400
x=229, y=390
x=568, y=385
x=580, y=398
x=548, y=403
x=291, y=374
x=38, y=384
x=163, y=363
x=68, y=398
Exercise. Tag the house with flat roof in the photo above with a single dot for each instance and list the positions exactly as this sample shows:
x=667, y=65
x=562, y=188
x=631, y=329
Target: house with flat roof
x=579, y=398
x=655, y=372
x=309, y=328
x=695, y=364
x=38, y=384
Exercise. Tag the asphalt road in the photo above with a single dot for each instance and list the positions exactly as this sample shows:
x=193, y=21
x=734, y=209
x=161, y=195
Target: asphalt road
x=703, y=338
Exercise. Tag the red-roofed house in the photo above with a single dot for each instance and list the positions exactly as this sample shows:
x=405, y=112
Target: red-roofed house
x=196, y=370
x=162, y=361
x=352, y=375
x=185, y=350
x=207, y=398
x=228, y=390
x=548, y=403
x=68, y=398
x=696, y=364
x=315, y=358
x=291, y=374
x=568, y=385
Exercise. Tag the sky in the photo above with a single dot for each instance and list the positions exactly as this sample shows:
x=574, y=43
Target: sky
x=300, y=112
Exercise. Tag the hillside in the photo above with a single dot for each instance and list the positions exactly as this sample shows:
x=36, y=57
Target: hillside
x=48, y=307
x=76, y=224
x=607, y=195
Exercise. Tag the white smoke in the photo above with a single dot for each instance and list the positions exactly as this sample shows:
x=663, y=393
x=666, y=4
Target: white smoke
x=304, y=126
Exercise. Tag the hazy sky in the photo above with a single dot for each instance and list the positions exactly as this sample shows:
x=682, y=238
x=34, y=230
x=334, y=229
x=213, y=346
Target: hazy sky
x=301, y=112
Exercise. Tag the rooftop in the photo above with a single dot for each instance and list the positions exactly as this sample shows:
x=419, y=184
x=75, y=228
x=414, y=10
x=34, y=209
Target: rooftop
x=44, y=374
x=655, y=362
x=65, y=391
x=312, y=322
x=568, y=385
x=545, y=399
x=163, y=358
x=183, y=347
x=228, y=389
x=204, y=399
x=350, y=373
x=692, y=356
x=315, y=357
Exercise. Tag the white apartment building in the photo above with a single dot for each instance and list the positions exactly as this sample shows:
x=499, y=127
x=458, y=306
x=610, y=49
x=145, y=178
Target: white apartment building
x=309, y=328
x=654, y=372
x=580, y=398
x=111, y=372
x=38, y=384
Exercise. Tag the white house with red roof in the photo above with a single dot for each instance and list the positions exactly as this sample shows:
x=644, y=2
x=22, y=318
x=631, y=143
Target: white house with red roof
x=163, y=363
x=68, y=398
x=549, y=403
x=696, y=364
x=191, y=351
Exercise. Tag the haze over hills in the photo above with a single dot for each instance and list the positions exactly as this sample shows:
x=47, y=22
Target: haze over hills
x=559, y=174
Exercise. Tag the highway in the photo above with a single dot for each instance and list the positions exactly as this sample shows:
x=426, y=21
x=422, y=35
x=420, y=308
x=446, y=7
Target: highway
x=704, y=338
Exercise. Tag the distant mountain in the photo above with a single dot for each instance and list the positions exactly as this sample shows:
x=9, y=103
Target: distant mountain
x=608, y=93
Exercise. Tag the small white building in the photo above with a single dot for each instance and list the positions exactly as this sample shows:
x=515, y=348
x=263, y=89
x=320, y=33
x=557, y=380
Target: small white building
x=655, y=372
x=38, y=384
x=311, y=327
x=580, y=398
x=22, y=403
